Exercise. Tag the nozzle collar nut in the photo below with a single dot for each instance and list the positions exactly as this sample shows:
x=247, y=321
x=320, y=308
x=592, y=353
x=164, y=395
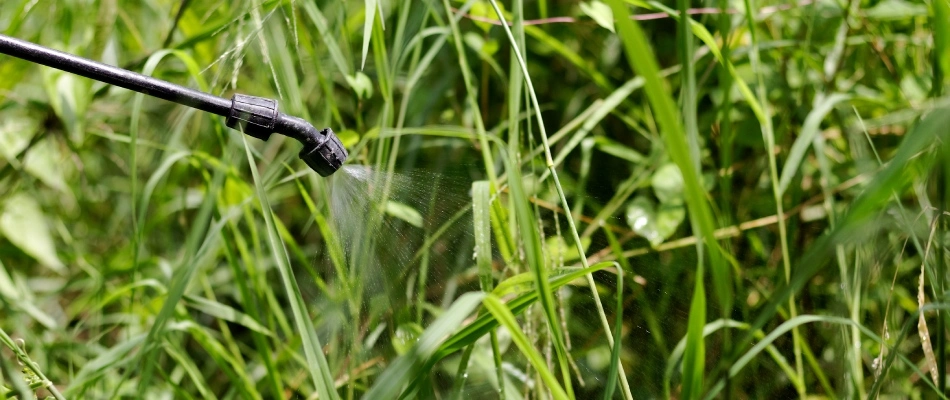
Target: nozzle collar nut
x=326, y=155
x=255, y=116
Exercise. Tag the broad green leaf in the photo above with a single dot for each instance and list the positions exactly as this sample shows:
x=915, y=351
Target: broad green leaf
x=12, y=70
x=668, y=219
x=600, y=13
x=406, y=336
x=348, y=137
x=23, y=223
x=361, y=85
x=404, y=212
x=487, y=48
x=482, y=10
x=667, y=184
x=15, y=135
x=46, y=163
x=8, y=289
x=655, y=223
x=69, y=97
x=641, y=216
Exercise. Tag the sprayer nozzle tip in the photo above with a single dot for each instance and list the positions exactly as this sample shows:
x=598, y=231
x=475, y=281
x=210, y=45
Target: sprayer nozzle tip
x=325, y=155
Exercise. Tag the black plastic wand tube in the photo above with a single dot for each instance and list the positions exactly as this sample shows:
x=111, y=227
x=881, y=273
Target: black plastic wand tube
x=114, y=75
x=255, y=116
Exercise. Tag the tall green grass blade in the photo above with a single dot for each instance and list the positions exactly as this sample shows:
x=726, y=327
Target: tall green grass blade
x=370, y=18
x=20, y=388
x=941, y=32
x=138, y=217
x=688, y=82
x=766, y=342
x=528, y=229
x=618, y=328
x=525, y=222
x=92, y=370
x=694, y=360
x=317, y=365
x=471, y=99
x=328, y=37
x=806, y=137
x=180, y=280
x=481, y=216
x=641, y=58
x=191, y=370
x=226, y=313
x=246, y=268
x=768, y=136
x=507, y=319
x=183, y=275
x=481, y=221
x=859, y=222
x=711, y=328
x=485, y=323
x=390, y=384
x=726, y=130
x=229, y=364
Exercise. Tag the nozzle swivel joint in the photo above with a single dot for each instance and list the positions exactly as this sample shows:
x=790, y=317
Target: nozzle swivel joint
x=258, y=117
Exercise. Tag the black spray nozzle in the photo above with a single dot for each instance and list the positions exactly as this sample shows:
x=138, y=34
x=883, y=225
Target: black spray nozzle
x=255, y=116
x=258, y=117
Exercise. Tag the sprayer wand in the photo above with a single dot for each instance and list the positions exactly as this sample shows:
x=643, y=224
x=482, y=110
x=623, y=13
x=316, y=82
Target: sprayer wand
x=255, y=116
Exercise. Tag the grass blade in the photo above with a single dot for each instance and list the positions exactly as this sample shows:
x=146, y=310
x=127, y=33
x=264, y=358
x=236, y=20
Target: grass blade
x=641, y=58
x=481, y=218
x=317, y=365
x=390, y=383
x=520, y=206
x=941, y=52
x=615, y=352
x=507, y=319
x=227, y=313
x=535, y=261
x=809, y=130
x=858, y=223
x=369, y=18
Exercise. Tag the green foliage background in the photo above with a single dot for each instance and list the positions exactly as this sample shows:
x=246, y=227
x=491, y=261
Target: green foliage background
x=604, y=200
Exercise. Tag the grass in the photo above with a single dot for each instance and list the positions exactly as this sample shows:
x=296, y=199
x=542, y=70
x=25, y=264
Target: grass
x=538, y=198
